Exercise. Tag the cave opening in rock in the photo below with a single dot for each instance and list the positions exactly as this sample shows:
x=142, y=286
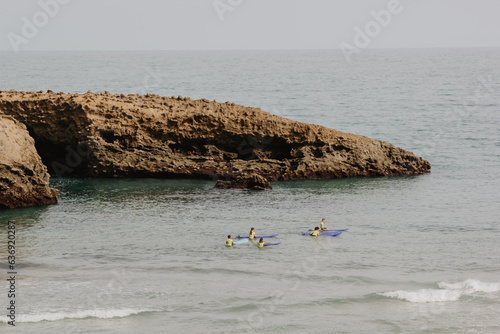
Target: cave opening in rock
x=62, y=159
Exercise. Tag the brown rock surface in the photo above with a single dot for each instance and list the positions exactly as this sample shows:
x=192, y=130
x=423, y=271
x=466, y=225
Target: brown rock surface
x=245, y=181
x=105, y=135
x=24, y=180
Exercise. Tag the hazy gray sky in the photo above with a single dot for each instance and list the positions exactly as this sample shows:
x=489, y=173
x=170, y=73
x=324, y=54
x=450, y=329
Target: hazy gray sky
x=246, y=24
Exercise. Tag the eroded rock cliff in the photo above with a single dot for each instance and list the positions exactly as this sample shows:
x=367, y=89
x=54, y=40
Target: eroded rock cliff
x=105, y=135
x=24, y=180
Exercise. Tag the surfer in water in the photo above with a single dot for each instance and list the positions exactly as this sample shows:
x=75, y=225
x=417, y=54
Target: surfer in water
x=262, y=242
x=316, y=232
x=229, y=241
x=251, y=235
x=323, y=228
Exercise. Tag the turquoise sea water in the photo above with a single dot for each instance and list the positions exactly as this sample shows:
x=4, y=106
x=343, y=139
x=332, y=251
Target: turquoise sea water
x=141, y=255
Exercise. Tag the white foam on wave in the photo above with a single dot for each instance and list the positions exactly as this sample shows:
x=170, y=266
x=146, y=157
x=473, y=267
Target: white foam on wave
x=471, y=286
x=424, y=295
x=447, y=292
x=99, y=313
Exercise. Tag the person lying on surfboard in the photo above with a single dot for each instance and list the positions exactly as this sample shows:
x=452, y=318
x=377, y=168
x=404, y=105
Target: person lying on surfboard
x=262, y=242
x=323, y=228
x=251, y=235
x=229, y=241
x=315, y=233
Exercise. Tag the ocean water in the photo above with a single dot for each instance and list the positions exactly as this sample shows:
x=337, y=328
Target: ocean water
x=147, y=256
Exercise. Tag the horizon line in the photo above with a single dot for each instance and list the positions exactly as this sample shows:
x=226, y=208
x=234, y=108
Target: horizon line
x=263, y=49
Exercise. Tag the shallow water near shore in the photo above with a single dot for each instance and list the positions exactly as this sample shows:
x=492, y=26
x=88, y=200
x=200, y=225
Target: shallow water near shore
x=143, y=255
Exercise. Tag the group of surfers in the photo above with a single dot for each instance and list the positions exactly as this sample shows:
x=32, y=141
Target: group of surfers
x=252, y=235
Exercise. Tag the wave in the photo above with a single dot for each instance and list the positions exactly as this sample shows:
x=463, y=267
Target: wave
x=447, y=292
x=424, y=295
x=471, y=286
x=82, y=314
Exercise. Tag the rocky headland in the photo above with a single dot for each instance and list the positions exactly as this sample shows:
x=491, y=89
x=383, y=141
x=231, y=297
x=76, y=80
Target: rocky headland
x=24, y=180
x=106, y=135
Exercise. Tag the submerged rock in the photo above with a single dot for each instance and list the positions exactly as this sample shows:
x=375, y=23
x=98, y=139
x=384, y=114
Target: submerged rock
x=105, y=135
x=24, y=180
x=253, y=182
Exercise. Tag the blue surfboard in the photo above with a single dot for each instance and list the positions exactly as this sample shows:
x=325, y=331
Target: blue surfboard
x=331, y=234
x=258, y=236
x=272, y=243
x=340, y=230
